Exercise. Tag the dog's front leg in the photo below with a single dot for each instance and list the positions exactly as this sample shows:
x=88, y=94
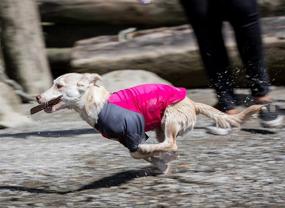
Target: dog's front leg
x=160, y=160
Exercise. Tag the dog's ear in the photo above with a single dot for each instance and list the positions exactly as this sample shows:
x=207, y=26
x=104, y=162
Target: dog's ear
x=88, y=79
x=94, y=78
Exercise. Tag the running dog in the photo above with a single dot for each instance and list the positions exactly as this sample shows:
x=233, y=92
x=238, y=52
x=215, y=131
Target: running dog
x=126, y=115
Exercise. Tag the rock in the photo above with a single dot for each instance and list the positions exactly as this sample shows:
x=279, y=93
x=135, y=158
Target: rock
x=128, y=12
x=10, y=115
x=122, y=79
x=82, y=19
x=23, y=45
x=172, y=53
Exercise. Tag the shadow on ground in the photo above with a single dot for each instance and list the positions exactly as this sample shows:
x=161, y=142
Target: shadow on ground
x=116, y=179
x=57, y=133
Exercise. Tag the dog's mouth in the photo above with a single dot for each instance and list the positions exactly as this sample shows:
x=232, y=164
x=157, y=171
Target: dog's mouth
x=54, y=107
x=50, y=106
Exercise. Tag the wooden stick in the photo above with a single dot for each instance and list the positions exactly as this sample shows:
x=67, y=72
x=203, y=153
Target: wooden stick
x=45, y=105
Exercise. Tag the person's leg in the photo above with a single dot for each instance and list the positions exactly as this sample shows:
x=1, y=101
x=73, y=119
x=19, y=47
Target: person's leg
x=243, y=16
x=206, y=22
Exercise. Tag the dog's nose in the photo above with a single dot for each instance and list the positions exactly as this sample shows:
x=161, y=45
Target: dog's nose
x=38, y=98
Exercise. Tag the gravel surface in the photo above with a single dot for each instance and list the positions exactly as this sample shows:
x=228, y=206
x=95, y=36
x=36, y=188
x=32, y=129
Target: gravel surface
x=60, y=161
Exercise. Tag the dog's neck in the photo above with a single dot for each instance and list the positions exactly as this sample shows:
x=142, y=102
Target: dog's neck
x=91, y=103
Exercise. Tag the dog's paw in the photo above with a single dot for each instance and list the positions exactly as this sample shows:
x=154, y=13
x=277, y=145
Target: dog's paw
x=167, y=156
x=160, y=165
x=145, y=148
x=137, y=155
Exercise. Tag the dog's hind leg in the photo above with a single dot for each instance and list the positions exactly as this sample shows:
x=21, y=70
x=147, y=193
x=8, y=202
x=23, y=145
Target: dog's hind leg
x=169, y=143
x=177, y=119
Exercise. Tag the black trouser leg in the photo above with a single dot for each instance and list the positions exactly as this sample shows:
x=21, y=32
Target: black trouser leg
x=206, y=20
x=243, y=16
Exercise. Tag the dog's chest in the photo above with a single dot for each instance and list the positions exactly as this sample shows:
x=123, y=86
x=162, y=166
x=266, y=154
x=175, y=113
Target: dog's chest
x=116, y=122
x=90, y=120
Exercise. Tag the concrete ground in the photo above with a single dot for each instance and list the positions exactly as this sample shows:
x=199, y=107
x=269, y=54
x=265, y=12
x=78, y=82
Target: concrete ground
x=60, y=161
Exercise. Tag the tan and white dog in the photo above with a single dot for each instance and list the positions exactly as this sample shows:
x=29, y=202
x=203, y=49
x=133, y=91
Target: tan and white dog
x=82, y=93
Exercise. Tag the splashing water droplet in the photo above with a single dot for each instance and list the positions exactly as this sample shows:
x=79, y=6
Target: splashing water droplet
x=145, y=1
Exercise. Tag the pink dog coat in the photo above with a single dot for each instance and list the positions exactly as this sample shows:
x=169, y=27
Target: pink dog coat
x=150, y=100
x=129, y=113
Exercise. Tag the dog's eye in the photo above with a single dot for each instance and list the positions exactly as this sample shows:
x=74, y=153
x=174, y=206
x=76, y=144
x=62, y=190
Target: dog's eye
x=58, y=86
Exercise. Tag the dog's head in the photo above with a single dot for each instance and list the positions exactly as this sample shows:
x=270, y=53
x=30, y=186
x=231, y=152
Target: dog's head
x=70, y=87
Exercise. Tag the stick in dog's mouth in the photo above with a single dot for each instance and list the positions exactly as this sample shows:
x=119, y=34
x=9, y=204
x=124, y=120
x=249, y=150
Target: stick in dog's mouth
x=45, y=105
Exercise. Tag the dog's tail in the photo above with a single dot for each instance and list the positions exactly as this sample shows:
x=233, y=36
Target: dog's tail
x=224, y=120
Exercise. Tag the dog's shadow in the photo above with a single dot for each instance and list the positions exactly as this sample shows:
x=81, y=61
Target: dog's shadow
x=118, y=179
x=55, y=133
x=114, y=180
